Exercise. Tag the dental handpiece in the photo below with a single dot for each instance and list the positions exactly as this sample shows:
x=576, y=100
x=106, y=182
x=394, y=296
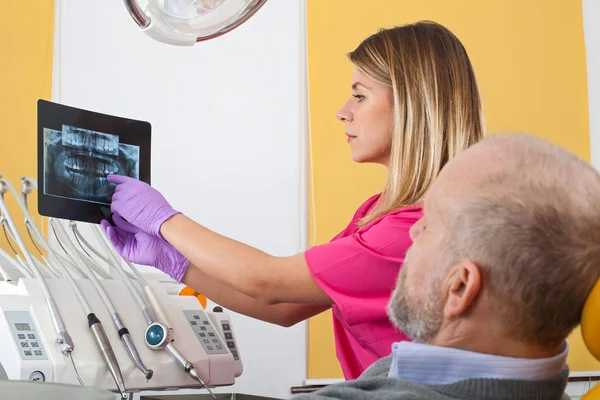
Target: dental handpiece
x=131, y=349
x=186, y=365
x=157, y=338
x=107, y=352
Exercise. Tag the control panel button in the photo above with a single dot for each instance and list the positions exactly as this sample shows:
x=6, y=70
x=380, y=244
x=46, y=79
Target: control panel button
x=31, y=336
x=28, y=353
x=196, y=317
x=205, y=322
x=209, y=348
x=21, y=336
x=219, y=347
x=211, y=334
x=202, y=328
x=231, y=345
x=193, y=323
x=234, y=354
x=202, y=334
x=228, y=335
x=206, y=341
x=38, y=352
x=24, y=344
x=226, y=327
x=35, y=344
x=215, y=340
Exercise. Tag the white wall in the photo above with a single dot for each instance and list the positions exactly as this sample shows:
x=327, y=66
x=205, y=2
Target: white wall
x=229, y=124
x=591, y=27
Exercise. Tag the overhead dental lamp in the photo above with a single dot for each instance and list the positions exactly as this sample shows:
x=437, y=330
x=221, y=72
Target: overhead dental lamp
x=186, y=22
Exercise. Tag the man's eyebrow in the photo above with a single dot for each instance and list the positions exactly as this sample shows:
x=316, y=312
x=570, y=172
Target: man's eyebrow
x=357, y=84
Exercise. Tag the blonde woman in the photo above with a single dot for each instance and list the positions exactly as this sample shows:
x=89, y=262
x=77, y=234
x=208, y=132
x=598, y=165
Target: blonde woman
x=414, y=105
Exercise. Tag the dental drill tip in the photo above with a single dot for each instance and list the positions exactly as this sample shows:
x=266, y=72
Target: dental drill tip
x=192, y=371
x=149, y=375
x=194, y=374
x=121, y=387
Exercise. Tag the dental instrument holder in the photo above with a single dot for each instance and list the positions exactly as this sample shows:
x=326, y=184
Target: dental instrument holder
x=24, y=301
x=107, y=352
x=217, y=367
x=157, y=334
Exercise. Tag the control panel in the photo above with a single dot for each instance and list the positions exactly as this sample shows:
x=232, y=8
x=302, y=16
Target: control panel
x=205, y=332
x=228, y=333
x=25, y=335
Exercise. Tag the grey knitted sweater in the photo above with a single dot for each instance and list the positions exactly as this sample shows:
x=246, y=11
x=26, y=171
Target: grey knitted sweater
x=374, y=384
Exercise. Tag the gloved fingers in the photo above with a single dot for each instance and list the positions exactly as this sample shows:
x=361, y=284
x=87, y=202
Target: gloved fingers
x=113, y=236
x=123, y=236
x=118, y=179
x=105, y=225
x=124, y=225
x=115, y=206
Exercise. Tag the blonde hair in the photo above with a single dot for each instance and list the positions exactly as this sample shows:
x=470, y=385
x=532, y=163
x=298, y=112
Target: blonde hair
x=437, y=106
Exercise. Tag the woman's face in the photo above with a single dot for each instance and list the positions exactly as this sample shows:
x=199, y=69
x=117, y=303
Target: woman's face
x=368, y=116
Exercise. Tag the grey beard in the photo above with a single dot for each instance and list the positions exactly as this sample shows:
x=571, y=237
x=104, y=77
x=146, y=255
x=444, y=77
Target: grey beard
x=419, y=320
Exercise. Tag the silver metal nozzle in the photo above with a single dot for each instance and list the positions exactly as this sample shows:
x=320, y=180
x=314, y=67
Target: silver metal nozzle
x=64, y=342
x=109, y=355
x=187, y=366
x=194, y=374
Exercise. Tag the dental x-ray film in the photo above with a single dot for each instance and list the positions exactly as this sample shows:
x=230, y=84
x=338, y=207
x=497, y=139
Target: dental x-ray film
x=77, y=150
x=77, y=162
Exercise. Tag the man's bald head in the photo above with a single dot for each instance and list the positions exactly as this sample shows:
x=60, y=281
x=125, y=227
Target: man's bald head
x=523, y=159
x=526, y=215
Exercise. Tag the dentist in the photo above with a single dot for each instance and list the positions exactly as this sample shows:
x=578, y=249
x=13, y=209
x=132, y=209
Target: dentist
x=414, y=105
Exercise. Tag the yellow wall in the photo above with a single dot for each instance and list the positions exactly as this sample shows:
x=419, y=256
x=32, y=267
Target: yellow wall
x=529, y=58
x=26, y=37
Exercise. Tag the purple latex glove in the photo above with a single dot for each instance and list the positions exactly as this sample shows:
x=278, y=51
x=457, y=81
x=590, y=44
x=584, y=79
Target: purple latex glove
x=140, y=247
x=140, y=204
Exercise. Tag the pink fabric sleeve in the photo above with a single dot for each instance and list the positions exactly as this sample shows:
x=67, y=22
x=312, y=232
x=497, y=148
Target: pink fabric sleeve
x=359, y=271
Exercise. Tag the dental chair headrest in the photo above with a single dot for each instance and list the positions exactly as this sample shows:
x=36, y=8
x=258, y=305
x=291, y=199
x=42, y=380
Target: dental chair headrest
x=590, y=322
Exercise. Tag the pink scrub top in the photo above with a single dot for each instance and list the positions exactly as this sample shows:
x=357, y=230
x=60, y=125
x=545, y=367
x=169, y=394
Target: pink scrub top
x=358, y=270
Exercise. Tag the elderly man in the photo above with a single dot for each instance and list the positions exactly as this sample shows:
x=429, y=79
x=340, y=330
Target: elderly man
x=496, y=279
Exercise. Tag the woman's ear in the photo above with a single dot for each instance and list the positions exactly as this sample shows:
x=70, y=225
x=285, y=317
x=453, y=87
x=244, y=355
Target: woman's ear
x=463, y=286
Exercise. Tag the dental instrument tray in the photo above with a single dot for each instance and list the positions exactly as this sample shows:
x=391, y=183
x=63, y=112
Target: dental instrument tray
x=77, y=150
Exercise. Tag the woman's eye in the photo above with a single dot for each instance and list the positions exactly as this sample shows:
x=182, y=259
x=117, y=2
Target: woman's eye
x=360, y=97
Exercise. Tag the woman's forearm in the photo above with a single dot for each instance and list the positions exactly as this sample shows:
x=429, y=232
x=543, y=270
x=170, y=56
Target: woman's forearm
x=243, y=268
x=228, y=261
x=284, y=314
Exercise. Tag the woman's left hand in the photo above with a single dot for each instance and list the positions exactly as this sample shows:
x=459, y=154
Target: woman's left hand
x=140, y=247
x=140, y=204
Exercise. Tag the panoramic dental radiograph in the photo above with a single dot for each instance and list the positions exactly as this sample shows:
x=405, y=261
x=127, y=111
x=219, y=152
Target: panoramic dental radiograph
x=77, y=162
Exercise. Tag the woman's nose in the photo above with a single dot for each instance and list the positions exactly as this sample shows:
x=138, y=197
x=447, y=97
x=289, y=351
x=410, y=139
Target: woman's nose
x=344, y=114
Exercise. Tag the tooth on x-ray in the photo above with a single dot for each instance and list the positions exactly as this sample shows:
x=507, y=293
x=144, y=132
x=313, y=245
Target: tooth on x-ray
x=86, y=139
x=78, y=160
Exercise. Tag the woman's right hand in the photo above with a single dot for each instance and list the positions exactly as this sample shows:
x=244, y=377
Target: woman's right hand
x=140, y=247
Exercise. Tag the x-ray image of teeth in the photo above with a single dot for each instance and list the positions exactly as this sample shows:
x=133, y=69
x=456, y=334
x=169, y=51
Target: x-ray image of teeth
x=77, y=161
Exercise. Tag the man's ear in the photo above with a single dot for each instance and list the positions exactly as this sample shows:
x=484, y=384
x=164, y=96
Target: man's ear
x=463, y=286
